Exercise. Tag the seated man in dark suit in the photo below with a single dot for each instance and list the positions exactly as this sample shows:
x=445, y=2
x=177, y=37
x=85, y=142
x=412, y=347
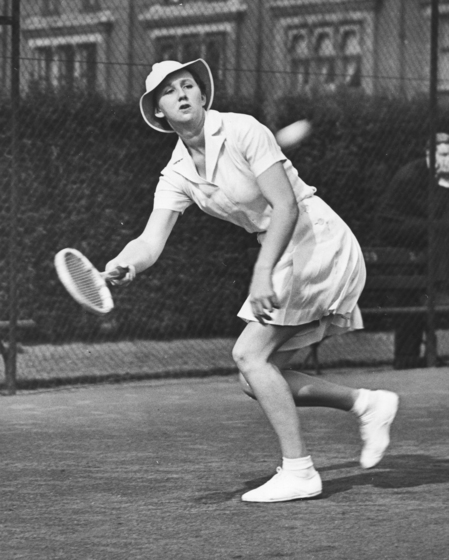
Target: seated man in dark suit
x=403, y=222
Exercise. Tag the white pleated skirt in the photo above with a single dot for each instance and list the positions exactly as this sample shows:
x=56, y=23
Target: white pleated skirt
x=318, y=279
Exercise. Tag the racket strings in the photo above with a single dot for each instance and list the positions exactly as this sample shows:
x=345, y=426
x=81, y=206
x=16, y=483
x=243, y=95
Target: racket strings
x=84, y=280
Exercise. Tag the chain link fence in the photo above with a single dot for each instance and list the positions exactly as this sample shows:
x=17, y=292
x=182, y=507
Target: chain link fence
x=89, y=165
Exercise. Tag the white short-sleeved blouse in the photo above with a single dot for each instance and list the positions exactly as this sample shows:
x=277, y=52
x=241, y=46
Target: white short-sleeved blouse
x=321, y=272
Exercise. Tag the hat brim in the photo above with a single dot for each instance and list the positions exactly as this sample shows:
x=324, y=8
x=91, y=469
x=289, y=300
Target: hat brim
x=201, y=69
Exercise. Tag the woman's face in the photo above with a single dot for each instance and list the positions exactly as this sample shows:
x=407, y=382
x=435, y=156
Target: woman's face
x=179, y=100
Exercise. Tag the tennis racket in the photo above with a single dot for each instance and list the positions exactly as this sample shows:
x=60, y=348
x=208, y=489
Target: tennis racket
x=84, y=282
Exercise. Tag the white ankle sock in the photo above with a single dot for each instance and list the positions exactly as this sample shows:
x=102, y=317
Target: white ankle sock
x=361, y=402
x=301, y=467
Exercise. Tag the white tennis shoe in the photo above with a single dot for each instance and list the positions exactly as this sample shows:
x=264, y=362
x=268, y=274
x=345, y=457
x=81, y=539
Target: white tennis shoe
x=375, y=426
x=285, y=486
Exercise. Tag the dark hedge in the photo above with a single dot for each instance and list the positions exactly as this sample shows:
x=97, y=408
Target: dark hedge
x=88, y=170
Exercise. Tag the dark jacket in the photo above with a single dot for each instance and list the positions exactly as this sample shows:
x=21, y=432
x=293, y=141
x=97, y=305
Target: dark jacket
x=402, y=217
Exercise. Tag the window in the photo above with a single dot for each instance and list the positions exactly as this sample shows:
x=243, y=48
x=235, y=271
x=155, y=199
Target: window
x=214, y=48
x=300, y=57
x=51, y=7
x=351, y=58
x=323, y=66
x=44, y=65
x=210, y=46
x=65, y=60
x=67, y=66
x=86, y=68
x=191, y=47
x=90, y=5
x=324, y=57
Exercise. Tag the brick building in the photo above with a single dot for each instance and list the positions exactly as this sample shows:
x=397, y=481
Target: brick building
x=255, y=47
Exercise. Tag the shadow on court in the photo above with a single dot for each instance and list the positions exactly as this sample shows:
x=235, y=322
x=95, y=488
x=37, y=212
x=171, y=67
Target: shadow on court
x=155, y=470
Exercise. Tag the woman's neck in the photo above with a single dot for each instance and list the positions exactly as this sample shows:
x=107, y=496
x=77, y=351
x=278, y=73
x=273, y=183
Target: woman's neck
x=195, y=142
x=192, y=134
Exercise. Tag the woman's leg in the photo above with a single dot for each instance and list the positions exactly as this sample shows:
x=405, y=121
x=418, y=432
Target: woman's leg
x=375, y=410
x=308, y=390
x=252, y=354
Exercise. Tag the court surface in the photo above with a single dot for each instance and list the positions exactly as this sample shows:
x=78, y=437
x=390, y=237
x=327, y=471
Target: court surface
x=155, y=470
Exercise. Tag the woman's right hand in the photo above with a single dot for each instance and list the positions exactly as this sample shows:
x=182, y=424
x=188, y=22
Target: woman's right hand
x=119, y=274
x=144, y=250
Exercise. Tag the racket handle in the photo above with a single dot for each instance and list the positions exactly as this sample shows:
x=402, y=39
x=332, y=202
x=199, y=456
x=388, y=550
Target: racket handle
x=116, y=273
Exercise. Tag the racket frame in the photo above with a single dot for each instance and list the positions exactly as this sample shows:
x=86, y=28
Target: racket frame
x=100, y=283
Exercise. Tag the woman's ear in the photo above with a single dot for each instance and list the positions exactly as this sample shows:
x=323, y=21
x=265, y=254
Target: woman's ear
x=158, y=113
x=203, y=99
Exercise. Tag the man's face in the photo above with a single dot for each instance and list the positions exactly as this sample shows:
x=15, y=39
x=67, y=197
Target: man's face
x=442, y=160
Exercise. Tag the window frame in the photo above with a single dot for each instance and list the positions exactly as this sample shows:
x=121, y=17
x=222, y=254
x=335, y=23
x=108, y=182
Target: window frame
x=180, y=49
x=222, y=77
x=314, y=61
x=53, y=70
x=286, y=21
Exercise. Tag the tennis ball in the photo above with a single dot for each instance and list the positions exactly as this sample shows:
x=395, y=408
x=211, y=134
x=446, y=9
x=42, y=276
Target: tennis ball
x=293, y=134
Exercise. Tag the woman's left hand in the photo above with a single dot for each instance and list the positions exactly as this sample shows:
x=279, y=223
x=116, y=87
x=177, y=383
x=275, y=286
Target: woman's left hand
x=263, y=298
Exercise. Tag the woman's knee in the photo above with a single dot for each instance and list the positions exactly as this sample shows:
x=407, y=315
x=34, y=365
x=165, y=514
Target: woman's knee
x=245, y=359
x=240, y=356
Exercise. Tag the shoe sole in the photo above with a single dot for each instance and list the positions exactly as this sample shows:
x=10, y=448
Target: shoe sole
x=309, y=496
x=387, y=422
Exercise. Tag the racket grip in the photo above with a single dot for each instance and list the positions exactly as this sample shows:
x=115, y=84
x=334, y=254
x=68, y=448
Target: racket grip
x=116, y=273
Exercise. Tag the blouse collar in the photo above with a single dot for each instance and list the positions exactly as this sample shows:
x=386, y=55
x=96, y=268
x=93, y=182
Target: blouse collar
x=214, y=136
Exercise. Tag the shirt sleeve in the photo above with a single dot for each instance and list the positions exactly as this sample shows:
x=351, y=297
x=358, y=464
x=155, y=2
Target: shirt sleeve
x=170, y=196
x=259, y=146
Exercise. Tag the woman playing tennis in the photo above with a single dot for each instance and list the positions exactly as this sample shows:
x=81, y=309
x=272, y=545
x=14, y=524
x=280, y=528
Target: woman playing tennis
x=307, y=279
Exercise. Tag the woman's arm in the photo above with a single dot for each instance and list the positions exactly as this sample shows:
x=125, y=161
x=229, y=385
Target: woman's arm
x=277, y=190
x=143, y=252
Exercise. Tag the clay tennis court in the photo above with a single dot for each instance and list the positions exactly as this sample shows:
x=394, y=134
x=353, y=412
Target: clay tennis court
x=155, y=470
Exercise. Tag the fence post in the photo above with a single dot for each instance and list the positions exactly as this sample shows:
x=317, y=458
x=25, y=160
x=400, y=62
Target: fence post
x=433, y=115
x=11, y=361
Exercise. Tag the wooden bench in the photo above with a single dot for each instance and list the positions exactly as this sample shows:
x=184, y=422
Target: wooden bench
x=395, y=277
x=397, y=282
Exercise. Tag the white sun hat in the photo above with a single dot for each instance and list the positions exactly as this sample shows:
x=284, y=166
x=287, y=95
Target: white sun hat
x=158, y=74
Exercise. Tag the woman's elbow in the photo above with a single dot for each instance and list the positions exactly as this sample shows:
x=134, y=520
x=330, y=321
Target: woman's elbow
x=291, y=211
x=294, y=209
x=288, y=214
